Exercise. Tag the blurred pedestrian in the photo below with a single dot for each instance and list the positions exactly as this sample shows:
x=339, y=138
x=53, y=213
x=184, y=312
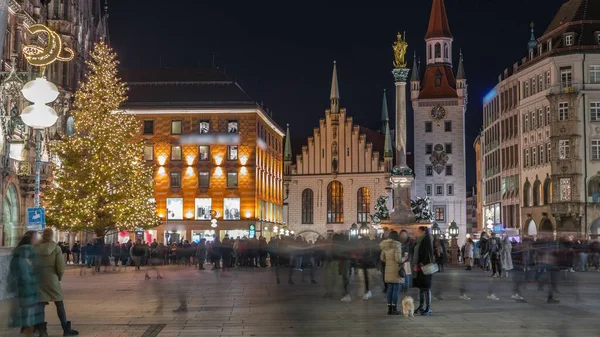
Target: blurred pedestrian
x=469, y=251
x=49, y=265
x=201, y=253
x=391, y=254
x=27, y=311
x=495, y=251
x=423, y=256
x=506, y=256
x=136, y=252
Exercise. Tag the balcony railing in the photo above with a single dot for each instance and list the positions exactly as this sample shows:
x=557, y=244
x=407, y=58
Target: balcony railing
x=566, y=88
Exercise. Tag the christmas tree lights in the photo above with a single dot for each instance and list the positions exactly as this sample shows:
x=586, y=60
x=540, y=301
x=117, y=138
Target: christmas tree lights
x=102, y=183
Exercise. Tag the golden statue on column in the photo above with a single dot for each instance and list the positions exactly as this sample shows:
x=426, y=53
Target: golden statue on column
x=400, y=47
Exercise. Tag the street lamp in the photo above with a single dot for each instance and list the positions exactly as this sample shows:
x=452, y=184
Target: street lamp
x=453, y=230
x=435, y=229
x=364, y=230
x=353, y=231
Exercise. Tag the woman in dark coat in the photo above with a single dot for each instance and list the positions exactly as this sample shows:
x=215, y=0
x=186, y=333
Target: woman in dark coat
x=422, y=256
x=27, y=311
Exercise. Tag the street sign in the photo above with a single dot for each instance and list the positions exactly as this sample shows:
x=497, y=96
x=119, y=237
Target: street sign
x=36, y=219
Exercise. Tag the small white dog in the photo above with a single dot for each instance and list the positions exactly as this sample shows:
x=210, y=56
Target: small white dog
x=408, y=307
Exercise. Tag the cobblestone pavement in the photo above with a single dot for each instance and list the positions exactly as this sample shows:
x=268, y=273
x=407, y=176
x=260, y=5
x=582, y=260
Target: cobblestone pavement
x=250, y=303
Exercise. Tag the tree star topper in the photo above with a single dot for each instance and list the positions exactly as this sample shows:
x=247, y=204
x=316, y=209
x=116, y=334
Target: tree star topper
x=42, y=57
x=400, y=46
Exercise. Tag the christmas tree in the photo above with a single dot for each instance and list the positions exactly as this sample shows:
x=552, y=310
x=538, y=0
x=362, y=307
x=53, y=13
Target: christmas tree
x=100, y=181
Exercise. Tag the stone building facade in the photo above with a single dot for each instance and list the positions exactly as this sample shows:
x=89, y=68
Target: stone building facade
x=339, y=174
x=541, y=139
x=439, y=100
x=80, y=24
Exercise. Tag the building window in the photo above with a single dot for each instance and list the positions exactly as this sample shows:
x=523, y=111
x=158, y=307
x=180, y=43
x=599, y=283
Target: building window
x=176, y=127
x=526, y=194
x=232, y=127
x=549, y=45
x=527, y=162
x=533, y=121
x=565, y=189
x=335, y=202
x=541, y=153
x=595, y=74
x=148, y=127
x=232, y=152
x=439, y=189
x=533, y=86
x=175, y=152
x=566, y=77
x=448, y=126
x=526, y=89
x=569, y=40
x=440, y=214
x=449, y=170
x=549, y=152
x=595, y=149
x=204, y=152
x=547, y=191
x=148, y=152
x=204, y=179
x=563, y=111
x=204, y=126
x=307, y=206
x=548, y=79
x=203, y=207
x=174, y=208
x=175, y=179
x=449, y=189
x=438, y=50
x=526, y=123
x=448, y=148
x=541, y=82
x=563, y=149
x=428, y=148
x=446, y=49
x=428, y=127
x=595, y=111
x=537, y=192
x=232, y=180
x=363, y=205
x=231, y=208
x=548, y=115
x=428, y=170
x=534, y=157
x=428, y=189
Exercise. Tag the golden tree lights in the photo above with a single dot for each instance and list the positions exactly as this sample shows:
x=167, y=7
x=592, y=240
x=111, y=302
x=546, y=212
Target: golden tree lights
x=102, y=184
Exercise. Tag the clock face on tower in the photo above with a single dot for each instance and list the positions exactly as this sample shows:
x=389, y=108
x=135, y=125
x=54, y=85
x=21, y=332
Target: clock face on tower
x=438, y=113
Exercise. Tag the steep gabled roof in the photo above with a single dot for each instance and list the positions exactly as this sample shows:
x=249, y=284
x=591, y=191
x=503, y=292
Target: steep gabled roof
x=438, y=21
x=573, y=11
x=446, y=87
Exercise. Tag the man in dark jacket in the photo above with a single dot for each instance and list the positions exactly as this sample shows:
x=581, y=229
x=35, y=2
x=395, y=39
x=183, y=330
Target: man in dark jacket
x=484, y=251
x=495, y=248
x=76, y=250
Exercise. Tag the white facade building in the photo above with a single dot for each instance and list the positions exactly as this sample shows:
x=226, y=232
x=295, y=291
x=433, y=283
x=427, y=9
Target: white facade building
x=439, y=102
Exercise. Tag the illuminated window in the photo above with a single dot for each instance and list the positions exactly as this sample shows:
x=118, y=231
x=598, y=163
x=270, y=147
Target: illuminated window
x=204, y=179
x=204, y=152
x=148, y=152
x=232, y=152
x=335, y=202
x=440, y=213
x=363, y=205
x=232, y=127
x=175, y=179
x=565, y=189
x=176, y=127
x=307, y=206
x=537, y=192
x=175, y=208
x=148, y=127
x=203, y=207
x=232, y=179
x=204, y=126
x=175, y=152
x=231, y=208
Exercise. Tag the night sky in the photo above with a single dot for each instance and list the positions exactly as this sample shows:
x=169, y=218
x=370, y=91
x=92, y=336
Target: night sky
x=281, y=52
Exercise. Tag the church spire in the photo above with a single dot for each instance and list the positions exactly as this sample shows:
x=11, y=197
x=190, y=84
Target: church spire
x=460, y=73
x=415, y=69
x=384, y=112
x=335, y=91
x=532, y=40
x=388, y=151
x=287, y=154
x=438, y=21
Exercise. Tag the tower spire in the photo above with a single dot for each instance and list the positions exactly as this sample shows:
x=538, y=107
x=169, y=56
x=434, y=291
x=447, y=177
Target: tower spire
x=438, y=21
x=532, y=40
x=287, y=154
x=415, y=69
x=388, y=151
x=460, y=73
x=384, y=112
x=335, y=91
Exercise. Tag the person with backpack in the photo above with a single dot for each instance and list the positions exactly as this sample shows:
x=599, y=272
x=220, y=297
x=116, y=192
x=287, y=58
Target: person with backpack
x=495, y=250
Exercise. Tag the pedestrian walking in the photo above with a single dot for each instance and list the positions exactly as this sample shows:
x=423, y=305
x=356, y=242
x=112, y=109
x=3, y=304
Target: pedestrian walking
x=136, y=252
x=423, y=256
x=391, y=254
x=76, y=251
x=469, y=252
x=27, y=311
x=506, y=256
x=495, y=251
x=49, y=265
x=201, y=253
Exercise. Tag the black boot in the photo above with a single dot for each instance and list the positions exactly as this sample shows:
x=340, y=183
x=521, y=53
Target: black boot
x=394, y=310
x=42, y=329
x=68, y=331
x=427, y=311
x=389, y=309
x=419, y=310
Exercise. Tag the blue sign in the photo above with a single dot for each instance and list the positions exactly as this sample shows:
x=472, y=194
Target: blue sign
x=252, y=231
x=36, y=219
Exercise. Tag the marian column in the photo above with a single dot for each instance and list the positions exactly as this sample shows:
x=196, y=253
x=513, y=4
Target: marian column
x=402, y=175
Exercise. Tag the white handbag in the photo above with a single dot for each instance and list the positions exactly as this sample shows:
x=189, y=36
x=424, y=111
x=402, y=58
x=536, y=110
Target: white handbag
x=430, y=269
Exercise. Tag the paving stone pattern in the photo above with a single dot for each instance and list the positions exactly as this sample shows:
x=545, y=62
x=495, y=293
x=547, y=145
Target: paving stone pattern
x=250, y=303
